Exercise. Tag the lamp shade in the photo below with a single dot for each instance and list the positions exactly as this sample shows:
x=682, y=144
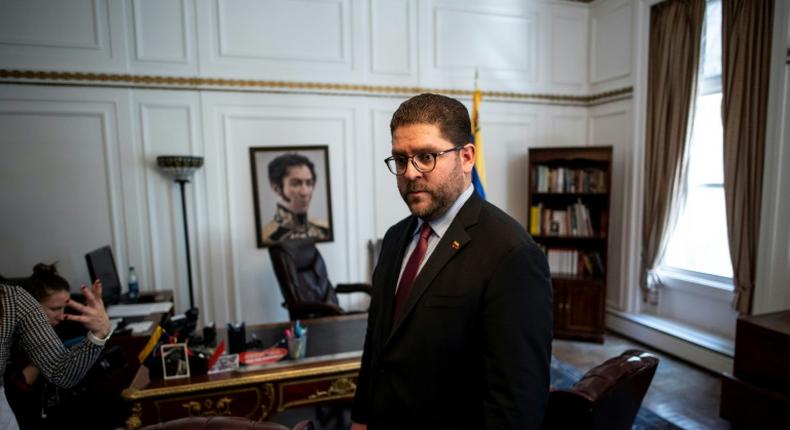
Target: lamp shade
x=180, y=167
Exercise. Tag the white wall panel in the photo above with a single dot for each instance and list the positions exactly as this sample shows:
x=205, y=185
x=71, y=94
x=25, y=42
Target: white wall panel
x=167, y=125
x=610, y=45
x=569, y=129
x=507, y=140
x=66, y=166
x=293, y=40
x=512, y=43
x=160, y=31
x=499, y=41
x=162, y=35
x=389, y=205
x=610, y=124
x=75, y=35
x=294, y=30
x=42, y=145
x=393, y=39
x=569, y=49
x=461, y=37
x=68, y=25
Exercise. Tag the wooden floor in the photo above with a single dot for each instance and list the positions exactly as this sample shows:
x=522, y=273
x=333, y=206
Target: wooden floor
x=681, y=393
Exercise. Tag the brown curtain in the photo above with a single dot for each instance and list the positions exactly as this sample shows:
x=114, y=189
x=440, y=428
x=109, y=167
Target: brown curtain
x=675, y=32
x=746, y=55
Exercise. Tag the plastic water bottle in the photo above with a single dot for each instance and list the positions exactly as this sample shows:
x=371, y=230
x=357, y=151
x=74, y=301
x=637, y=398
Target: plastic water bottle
x=134, y=287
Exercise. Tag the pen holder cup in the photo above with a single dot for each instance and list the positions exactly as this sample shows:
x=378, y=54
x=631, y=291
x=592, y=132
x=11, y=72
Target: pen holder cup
x=297, y=347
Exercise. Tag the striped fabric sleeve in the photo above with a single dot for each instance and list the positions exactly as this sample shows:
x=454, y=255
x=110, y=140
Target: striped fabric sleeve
x=62, y=367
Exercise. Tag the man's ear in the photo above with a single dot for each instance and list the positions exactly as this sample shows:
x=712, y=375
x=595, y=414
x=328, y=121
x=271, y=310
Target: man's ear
x=277, y=190
x=468, y=156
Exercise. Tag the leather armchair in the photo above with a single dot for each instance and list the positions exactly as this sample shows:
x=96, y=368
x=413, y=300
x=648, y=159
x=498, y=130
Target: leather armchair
x=224, y=423
x=304, y=283
x=608, y=396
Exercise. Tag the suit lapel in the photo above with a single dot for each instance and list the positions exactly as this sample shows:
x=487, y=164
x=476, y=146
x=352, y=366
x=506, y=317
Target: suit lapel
x=393, y=272
x=453, y=241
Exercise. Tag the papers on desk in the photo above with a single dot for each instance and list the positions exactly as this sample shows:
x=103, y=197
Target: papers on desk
x=140, y=327
x=136, y=327
x=138, y=309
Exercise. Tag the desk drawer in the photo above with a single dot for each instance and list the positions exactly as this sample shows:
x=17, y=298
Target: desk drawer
x=251, y=402
x=317, y=390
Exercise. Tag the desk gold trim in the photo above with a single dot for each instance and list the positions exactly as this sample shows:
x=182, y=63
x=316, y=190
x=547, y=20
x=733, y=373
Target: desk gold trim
x=132, y=394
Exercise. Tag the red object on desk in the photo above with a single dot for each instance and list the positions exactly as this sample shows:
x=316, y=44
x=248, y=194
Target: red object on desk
x=215, y=356
x=269, y=355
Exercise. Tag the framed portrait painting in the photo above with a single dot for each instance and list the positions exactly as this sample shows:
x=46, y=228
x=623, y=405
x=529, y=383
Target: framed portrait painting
x=291, y=198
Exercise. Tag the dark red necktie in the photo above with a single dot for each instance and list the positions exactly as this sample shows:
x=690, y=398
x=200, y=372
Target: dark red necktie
x=410, y=271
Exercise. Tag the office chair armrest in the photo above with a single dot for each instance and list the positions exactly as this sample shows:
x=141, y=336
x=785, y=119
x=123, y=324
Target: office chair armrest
x=353, y=288
x=315, y=307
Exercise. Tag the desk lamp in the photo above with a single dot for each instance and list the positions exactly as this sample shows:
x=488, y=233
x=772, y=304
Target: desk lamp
x=181, y=168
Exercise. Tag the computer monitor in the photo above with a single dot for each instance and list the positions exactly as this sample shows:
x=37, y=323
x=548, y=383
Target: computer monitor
x=101, y=265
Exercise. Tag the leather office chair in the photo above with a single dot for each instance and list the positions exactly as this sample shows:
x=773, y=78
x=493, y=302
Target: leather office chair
x=304, y=282
x=224, y=423
x=608, y=396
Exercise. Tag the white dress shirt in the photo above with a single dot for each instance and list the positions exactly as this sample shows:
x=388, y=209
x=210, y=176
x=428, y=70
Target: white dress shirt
x=439, y=227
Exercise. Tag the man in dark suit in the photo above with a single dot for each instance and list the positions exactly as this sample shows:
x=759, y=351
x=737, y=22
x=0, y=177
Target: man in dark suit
x=459, y=330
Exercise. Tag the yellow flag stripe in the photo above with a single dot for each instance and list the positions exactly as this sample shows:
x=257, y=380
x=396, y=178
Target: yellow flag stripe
x=480, y=160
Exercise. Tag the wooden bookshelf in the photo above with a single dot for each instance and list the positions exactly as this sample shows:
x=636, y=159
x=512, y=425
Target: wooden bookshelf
x=569, y=198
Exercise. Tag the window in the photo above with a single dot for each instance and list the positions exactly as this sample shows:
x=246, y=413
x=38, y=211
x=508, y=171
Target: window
x=698, y=244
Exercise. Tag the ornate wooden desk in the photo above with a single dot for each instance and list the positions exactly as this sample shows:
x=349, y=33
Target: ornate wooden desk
x=328, y=373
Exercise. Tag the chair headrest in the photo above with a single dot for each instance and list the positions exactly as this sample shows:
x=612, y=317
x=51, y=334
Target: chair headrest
x=302, y=251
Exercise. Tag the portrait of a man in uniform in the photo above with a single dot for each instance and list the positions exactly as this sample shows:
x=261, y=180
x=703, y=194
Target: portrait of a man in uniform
x=292, y=198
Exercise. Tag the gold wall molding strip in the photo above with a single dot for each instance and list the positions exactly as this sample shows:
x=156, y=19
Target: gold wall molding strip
x=223, y=84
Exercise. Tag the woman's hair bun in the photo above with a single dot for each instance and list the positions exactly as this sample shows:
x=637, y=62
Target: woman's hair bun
x=44, y=269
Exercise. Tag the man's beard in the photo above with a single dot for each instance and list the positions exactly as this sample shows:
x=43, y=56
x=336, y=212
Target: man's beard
x=441, y=197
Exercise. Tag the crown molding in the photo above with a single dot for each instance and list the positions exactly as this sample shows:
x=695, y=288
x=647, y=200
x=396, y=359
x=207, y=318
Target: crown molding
x=91, y=79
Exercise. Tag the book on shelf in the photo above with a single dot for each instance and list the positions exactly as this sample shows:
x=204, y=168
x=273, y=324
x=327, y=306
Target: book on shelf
x=563, y=261
x=573, y=221
x=534, y=219
x=573, y=262
x=567, y=180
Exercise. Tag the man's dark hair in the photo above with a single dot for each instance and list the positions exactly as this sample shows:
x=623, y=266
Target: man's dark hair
x=447, y=113
x=278, y=167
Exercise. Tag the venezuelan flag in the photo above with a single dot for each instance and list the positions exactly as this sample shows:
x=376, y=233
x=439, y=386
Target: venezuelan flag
x=479, y=170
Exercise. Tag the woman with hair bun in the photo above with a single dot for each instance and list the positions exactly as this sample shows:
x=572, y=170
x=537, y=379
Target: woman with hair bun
x=50, y=290
x=28, y=325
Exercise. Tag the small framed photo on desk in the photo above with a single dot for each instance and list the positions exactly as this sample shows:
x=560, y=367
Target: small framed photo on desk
x=175, y=361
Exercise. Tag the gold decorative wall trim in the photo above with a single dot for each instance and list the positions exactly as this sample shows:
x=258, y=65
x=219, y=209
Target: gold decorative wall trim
x=223, y=84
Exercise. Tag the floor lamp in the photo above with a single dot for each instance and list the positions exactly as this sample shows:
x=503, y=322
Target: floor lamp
x=181, y=168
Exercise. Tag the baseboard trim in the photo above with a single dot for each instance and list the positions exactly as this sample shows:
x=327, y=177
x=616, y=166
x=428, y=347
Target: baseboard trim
x=715, y=357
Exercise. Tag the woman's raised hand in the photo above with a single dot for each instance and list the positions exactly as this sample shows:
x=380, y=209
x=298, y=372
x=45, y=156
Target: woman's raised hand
x=92, y=314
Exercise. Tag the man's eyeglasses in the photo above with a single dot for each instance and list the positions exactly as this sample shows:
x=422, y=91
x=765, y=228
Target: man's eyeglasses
x=424, y=162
